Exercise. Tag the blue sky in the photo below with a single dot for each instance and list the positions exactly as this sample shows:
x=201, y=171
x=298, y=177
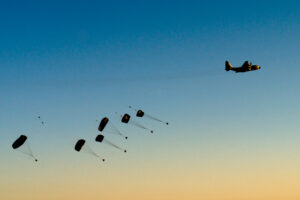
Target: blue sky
x=73, y=62
x=95, y=57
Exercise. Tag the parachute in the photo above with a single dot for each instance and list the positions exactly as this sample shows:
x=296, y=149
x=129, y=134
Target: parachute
x=19, y=142
x=126, y=119
x=100, y=138
x=81, y=146
x=40, y=119
x=22, y=145
x=111, y=129
x=140, y=113
x=103, y=123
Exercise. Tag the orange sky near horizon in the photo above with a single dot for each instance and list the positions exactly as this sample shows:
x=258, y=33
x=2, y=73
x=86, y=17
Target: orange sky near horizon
x=227, y=175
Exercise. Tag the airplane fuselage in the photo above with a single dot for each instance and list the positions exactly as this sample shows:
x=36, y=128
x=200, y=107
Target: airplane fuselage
x=241, y=69
x=246, y=67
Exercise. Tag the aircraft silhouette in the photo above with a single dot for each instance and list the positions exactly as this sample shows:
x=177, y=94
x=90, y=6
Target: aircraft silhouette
x=246, y=67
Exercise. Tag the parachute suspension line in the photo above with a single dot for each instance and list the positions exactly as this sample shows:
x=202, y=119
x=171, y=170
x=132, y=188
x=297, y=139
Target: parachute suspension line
x=140, y=126
x=117, y=147
x=118, y=131
x=30, y=153
x=154, y=118
x=112, y=132
x=29, y=148
x=92, y=152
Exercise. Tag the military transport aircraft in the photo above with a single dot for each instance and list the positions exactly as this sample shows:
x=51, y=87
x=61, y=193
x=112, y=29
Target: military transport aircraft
x=246, y=67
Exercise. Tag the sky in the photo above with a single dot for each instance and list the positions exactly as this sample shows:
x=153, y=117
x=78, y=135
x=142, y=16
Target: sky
x=231, y=136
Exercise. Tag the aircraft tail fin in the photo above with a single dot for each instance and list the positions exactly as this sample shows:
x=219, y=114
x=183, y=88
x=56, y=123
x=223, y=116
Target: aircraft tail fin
x=227, y=66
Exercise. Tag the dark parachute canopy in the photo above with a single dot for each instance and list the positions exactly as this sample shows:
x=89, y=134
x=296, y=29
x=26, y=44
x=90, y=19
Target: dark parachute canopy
x=81, y=146
x=102, y=124
x=19, y=144
x=100, y=138
x=110, y=129
x=141, y=113
x=126, y=119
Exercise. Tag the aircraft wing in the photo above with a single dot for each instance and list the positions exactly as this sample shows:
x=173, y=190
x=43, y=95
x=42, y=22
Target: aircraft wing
x=246, y=66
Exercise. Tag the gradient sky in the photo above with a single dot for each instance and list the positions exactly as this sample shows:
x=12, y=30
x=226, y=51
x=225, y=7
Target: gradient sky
x=231, y=136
